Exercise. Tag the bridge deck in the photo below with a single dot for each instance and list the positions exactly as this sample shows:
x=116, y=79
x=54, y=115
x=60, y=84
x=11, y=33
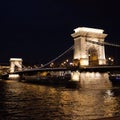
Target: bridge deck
x=81, y=69
x=101, y=68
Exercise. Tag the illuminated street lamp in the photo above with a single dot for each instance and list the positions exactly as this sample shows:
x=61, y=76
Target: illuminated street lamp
x=52, y=65
x=110, y=61
x=67, y=60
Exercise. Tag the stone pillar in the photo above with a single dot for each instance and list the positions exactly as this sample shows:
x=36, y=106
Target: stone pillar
x=15, y=62
x=102, y=59
x=83, y=37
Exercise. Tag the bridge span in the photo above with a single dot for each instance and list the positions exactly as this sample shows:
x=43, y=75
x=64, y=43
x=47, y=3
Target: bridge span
x=101, y=68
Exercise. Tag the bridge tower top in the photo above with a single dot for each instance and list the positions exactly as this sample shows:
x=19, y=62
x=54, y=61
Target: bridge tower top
x=16, y=59
x=89, y=32
x=86, y=29
x=85, y=51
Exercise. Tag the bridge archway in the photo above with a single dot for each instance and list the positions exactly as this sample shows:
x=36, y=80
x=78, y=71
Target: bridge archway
x=15, y=64
x=86, y=49
x=93, y=56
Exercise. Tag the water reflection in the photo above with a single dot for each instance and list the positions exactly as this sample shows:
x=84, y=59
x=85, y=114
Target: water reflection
x=92, y=79
x=95, y=99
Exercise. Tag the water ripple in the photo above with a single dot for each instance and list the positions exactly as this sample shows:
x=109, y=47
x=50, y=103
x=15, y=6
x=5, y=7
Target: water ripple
x=22, y=101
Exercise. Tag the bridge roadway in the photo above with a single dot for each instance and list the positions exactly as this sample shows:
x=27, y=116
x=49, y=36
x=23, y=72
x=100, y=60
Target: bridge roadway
x=101, y=68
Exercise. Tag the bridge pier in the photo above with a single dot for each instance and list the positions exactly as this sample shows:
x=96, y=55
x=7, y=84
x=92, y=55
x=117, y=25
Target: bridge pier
x=15, y=64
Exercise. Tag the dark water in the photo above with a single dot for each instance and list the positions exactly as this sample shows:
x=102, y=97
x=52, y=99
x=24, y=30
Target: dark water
x=23, y=101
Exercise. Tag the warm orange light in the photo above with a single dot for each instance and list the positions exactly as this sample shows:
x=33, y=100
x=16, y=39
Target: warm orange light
x=75, y=76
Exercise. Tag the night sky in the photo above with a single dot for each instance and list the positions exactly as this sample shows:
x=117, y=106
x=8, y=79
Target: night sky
x=40, y=30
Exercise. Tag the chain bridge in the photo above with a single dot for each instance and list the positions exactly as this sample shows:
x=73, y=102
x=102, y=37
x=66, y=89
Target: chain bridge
x=88, y=56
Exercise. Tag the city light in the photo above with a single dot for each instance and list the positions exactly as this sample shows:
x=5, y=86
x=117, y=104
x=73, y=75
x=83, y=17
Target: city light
x=14, y=76
x=110, y=61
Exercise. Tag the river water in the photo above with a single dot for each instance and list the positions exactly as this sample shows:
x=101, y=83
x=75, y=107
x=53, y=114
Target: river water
x=25, y=101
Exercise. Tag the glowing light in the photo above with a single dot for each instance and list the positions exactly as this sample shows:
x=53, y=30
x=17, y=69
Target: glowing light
x=84, y=62
x=112, y=60
x=13, y=76
x=102, y=62
x=98, y=75
x=75, y=76
x=71, y=63
x=67, y=60
x=52, y=65
x=109, y=93
x=15, y=59
x=85, y=29
x=94, y=79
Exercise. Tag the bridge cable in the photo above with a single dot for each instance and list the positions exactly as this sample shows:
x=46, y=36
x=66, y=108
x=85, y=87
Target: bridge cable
x=103, y=43
x=111, y=44
x=69, y=49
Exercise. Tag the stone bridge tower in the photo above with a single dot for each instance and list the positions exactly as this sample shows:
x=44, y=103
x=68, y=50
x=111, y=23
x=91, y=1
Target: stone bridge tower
x=87, y=50
x=15, y=62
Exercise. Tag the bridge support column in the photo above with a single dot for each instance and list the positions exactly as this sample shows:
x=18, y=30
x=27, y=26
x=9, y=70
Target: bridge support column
x=87, y=49
x=15, y=62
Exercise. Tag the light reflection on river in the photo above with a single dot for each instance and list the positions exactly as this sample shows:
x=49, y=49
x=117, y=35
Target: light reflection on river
x=23, y=101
